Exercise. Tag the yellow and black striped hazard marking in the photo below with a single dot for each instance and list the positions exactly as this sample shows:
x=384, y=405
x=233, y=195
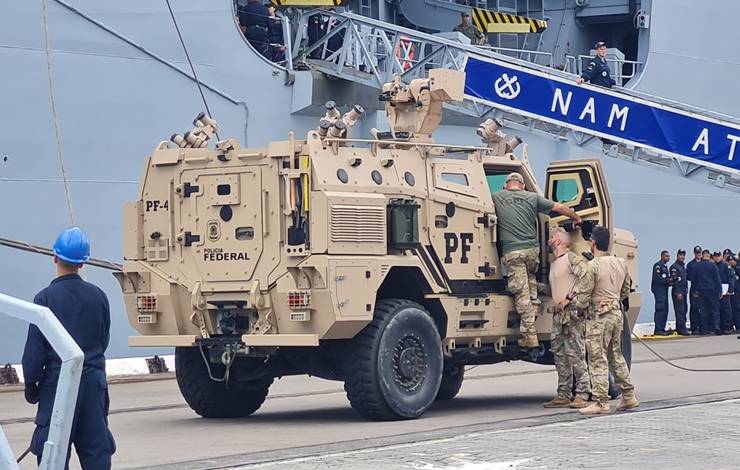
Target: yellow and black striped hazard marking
x=496, y=22
x=307, y=3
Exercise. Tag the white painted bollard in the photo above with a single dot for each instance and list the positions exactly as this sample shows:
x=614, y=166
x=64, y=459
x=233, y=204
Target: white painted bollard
x=55, y=447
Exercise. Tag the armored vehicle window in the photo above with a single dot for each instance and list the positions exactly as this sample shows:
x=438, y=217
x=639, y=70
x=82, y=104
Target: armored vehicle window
x=455, y=178
x=565, y=190
x=496, y=182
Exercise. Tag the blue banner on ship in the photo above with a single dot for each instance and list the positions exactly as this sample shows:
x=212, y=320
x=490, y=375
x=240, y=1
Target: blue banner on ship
x=625, y=118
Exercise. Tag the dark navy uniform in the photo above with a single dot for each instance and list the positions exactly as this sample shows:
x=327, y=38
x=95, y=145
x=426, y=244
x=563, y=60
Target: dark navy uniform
x=83, y=310
x=726, y=276
x=705, y=276
x=255, y=17
x=597, y=72
x=678, y=294
x=659, y=286
x=695, y=303
x=736, y=299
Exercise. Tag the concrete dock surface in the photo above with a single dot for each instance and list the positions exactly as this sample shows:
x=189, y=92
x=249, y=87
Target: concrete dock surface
x=308, y=422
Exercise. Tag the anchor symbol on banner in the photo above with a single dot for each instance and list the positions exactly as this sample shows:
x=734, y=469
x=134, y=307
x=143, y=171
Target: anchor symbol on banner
x=507, y=88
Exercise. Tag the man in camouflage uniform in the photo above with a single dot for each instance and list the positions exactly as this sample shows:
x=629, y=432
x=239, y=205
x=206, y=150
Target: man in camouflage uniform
x=568, y=329
x=517, y=212
x=599, y=296
x=470, y=30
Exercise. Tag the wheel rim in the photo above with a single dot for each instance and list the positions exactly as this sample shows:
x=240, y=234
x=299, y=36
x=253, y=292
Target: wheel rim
x=409, y=363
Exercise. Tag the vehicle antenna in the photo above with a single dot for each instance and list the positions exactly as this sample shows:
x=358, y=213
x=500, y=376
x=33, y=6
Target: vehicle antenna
x=192, y=68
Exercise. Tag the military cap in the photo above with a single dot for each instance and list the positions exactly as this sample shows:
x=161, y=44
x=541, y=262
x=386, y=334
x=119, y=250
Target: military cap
x=681, y=252
x=727, y=252
x=600, y=44
x=514, y=177
x=697, y=249
x=717, y=253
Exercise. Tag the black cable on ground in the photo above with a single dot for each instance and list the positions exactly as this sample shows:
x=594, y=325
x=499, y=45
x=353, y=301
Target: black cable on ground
x=23, y=455
x=688, y=369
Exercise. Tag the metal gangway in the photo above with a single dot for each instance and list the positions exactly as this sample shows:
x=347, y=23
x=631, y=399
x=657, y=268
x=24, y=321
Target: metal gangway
x=628, y=125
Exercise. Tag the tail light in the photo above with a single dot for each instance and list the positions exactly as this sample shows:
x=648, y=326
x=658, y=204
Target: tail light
x=299, y=299
x=146, y=303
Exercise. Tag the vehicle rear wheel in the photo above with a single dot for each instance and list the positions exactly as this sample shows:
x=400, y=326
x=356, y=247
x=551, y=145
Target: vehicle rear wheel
x=452, y=379
x=614, y=391
x=396, y=363
x=212, y=399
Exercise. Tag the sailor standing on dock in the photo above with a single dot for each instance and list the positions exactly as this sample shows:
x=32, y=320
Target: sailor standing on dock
x=83, y=310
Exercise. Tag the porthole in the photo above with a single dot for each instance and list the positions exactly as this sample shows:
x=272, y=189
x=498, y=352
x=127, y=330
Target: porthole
x=226, y=213
x=377, y=177
x=342, y=175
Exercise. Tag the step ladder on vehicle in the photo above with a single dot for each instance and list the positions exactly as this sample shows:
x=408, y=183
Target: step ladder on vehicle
x=631, y=126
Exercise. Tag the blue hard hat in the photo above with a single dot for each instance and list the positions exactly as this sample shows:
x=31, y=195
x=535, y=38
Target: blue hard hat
x=72, y=246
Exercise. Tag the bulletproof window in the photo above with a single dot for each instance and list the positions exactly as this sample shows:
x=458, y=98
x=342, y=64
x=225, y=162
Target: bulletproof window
x=565, y=190
x=496, y=182
x=455, y=178
x=223, y=189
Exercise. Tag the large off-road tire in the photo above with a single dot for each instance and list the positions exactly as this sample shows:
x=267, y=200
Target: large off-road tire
x=614, y=390
x=212, y=399
x=396, y=363
x=452, y=379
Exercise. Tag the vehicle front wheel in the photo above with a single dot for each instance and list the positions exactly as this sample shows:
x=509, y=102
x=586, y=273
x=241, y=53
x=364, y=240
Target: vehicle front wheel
x=396, y=363
x=211, y=399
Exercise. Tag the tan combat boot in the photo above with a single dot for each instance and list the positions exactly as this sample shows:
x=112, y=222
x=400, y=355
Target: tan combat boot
x=628, y=402
x=557, y=402
x=596, y=408
x=528, y=342
x=578, y=402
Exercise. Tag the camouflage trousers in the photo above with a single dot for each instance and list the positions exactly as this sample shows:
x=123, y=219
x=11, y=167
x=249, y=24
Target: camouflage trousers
x=604, y=348
x=521, y=266
x=569, y=350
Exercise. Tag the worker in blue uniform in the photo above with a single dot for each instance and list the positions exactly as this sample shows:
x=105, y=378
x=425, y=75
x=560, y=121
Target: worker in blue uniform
x=694, y=313
x=736, y=297
x=727, y=278
x=659, y=287
x=254, y=17
x=679, y=291
x=83, y=310
x=706, y=278
x=597, y=71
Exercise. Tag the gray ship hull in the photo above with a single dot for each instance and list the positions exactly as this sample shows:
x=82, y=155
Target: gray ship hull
x=121, y=85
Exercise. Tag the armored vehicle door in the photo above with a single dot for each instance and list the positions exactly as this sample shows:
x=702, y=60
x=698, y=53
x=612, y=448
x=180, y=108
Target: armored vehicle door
x=580, y=185
x=219, y=222
x=461, y=224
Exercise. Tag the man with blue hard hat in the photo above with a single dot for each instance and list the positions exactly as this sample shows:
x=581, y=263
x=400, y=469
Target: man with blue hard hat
x=83, y=310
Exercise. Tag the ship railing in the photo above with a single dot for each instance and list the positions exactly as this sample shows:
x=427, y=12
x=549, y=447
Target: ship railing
x=536, y=57
x=65, y=400
x=369, y=51
x=622, y=70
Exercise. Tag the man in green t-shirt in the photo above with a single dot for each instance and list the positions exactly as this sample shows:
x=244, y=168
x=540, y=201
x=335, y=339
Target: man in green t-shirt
x=517, y=211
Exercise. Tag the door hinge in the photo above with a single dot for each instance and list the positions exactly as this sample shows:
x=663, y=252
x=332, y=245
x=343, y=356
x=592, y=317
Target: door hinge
x=186, y=189
x=486, y=269
x=187, y=239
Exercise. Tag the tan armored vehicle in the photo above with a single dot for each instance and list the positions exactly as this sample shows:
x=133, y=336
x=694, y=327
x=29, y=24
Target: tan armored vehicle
x=367, y=260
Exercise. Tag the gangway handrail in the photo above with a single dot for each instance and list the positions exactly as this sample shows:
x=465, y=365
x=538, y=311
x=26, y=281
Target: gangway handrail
x=65, y=401
x=358, y=20
x=371, y=52
x=521, y=52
